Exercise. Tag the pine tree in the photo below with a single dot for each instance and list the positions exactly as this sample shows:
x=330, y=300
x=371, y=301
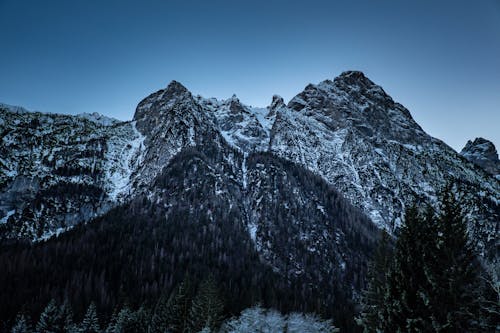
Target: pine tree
x=373, y=298
x=112, y=326
x=124, y=321
x=405, y=301
x=50, y=320
x=90, y=323
x=455, y=281
x=159, y=320
x=207, y=308
x=434, y=282
x=22, y=325
x=66, y=318
x=179, y=305
x=140, y=320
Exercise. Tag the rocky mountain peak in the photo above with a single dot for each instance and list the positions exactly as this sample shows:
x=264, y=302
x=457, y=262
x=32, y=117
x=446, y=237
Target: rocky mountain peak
x=357, y=84
x=276, y=103
x=174, y=100
x=354, y=77
x=235, y=106
x=175, y=87
x=483, y=153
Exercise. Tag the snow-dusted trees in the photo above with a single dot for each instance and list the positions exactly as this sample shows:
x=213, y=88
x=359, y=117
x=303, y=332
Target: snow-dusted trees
x=129, y=321
x=22, y=325
x=55, y=319
x=257, y=319
x=90, y=323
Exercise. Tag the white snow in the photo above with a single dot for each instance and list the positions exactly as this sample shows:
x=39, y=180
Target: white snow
x=244, y=170
x=6, y=217
x=265, y=122
x=98, y=118
x=252, y=230
x=123, y=156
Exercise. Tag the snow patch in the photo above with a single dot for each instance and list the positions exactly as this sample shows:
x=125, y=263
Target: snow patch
x=98, y=118
x=124, y=156
x=6, y=217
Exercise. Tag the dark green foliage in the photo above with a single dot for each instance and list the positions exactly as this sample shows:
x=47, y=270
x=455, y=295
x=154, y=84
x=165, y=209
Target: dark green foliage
x=159, y=318
x=454, y=275
x=52, y=319
x=179, y=303
x=373, y=298
x=129, y=321
x=405, y=307
x=22, y=325
x=90, y=323
x=207, y=308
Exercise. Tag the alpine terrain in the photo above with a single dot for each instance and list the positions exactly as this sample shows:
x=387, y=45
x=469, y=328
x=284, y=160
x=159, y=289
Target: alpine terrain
x=283, y=205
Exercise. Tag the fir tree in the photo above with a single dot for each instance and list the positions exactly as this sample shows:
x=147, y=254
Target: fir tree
x=112, y=324
x=405, y=301
x=124, y=321
x=373, y=298
x=454, y=275
x=179, y=305
x=66, y=318
x=90, y=323
x=434, y=282
x=159, y=320
x=22, y=325
x=50, y=320
x=207, y=308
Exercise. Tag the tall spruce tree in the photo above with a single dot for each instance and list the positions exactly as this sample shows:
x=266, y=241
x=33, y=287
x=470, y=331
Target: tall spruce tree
x=21, y=325
x=90, y=322
x=405, y=301
x=179, y=304
x=434, y=282
x=207, y=308
x=50, y=321
x=454, y=274
x=66, y=318
x=159, y=319
x=373, y=298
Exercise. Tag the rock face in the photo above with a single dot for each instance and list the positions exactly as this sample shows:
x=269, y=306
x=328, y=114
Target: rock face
x=59, y=170
x=484, y=154
x=348, y=131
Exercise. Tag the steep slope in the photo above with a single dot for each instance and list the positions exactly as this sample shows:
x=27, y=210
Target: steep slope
x=59, y=170
x=483, y=153
x=308, y=250
x=353, y=134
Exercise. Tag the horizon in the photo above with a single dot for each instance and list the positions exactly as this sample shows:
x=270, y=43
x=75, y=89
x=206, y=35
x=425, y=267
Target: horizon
x=442, y=62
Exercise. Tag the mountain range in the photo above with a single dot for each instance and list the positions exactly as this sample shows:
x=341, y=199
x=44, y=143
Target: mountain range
x=305, y=185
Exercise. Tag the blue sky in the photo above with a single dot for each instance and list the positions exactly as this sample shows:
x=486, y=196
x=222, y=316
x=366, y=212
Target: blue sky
x=441, y=59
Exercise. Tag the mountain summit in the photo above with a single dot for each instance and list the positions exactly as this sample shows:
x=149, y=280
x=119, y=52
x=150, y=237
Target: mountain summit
x=483, y=153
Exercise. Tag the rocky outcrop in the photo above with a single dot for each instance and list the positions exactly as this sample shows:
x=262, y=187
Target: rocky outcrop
x=483, y=153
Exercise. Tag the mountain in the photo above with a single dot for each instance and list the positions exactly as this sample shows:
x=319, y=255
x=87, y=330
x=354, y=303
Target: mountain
x=59, y=170
x=295, y=192
x=483, y=153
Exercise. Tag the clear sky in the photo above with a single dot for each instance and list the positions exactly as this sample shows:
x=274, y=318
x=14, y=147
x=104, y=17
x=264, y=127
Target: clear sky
x=441, y=59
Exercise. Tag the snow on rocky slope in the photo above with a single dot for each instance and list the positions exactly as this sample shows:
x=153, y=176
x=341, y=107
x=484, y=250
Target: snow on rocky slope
x=347, y=130
x=60, y=170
